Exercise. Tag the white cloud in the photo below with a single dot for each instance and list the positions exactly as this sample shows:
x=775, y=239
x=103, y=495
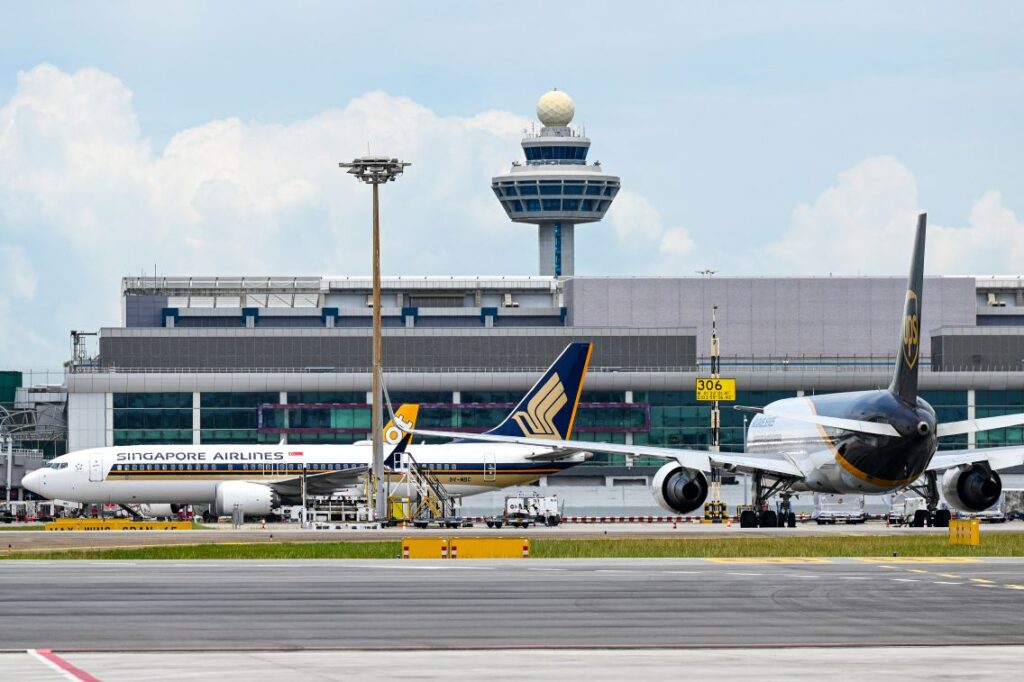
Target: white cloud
x=864, y=225
x=81, y=187
x=676, y=241
x=639, y=225
x=17, y=277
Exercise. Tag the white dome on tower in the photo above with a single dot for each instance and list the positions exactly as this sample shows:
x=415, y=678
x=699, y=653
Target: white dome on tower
x=555, y=108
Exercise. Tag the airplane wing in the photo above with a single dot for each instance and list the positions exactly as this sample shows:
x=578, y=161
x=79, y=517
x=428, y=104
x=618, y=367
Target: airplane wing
x=319, y=483
x=983, y=424
x=997, y=458
x=701, y=460
x=554, y=455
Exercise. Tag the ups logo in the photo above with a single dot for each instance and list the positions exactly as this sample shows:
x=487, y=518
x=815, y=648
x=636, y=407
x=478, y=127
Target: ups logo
x=538, y=420
x=911, y=330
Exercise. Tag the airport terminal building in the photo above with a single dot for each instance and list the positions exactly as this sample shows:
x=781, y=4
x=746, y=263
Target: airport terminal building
x=257, y=359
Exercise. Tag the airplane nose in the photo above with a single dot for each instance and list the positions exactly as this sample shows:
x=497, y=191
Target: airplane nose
x=33, y=481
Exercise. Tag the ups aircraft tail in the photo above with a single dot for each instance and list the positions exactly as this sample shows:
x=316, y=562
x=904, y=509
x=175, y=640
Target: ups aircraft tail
x=548, y=410
x=904, y=378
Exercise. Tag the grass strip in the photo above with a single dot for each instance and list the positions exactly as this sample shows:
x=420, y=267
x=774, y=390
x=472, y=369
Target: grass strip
x=4, y=529
x=931, y=545
x=994, y=544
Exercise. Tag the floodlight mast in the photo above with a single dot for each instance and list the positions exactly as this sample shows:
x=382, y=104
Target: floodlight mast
x=376, y=170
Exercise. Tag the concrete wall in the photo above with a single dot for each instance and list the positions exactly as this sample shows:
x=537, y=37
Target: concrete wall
x=88, y=421
x=774, y=316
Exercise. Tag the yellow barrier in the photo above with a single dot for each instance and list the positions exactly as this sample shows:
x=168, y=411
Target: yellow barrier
x=489, y=548
x=115, y=524
x=465, y=548
x=424, y=548
x=965, y=532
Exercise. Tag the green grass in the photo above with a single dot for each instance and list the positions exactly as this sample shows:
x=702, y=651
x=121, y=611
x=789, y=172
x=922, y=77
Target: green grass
x=35, y=526
x=932, y=545
x=262, y=550
x=994, y=544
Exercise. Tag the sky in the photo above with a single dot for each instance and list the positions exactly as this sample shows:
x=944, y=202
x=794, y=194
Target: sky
x=752, y=138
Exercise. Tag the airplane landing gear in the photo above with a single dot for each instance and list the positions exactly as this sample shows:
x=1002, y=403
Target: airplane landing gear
x=761, y=515
x=939, y=518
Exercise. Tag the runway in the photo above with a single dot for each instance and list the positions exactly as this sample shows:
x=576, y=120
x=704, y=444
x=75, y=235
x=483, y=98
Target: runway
x=70, y=605
x=794, y=619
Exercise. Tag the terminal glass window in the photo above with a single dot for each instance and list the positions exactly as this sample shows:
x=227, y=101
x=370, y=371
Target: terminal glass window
x=525, y=190
x=994, y=404
x=950, y=406
x=234, y=417
x=152, y=418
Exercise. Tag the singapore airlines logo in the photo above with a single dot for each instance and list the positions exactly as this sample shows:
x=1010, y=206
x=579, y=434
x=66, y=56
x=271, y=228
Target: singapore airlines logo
x=538, y=421
x=911, y=330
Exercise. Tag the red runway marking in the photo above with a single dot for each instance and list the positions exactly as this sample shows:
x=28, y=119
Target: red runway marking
x=58, y=663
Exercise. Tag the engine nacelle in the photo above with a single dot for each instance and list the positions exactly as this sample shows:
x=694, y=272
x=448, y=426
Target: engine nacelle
x=252, y=499
x=165, y=511
x=971, y=490
x=678, y=489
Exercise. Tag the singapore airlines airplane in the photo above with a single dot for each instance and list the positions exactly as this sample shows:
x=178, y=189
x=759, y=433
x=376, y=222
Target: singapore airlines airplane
x=880, y=441
x=258, y=478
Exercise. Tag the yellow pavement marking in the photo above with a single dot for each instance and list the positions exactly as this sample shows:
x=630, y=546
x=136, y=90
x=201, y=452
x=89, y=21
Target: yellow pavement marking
x=1015, y=587
x=920, y=560
x=770, y=560
x=980, y=580
x=949, y=575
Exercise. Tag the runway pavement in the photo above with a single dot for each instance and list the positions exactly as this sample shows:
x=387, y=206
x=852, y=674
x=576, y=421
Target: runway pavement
x=927, y=664
x=533, y=603
x=328, y=619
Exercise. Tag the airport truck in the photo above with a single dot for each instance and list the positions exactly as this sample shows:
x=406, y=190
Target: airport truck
x=523, y=511
x=835, y=509
x=910, y=511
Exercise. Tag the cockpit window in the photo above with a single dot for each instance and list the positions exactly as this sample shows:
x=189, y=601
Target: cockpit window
x=57, y=465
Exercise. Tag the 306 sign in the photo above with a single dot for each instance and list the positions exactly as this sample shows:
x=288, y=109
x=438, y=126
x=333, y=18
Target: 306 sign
x=716, y=389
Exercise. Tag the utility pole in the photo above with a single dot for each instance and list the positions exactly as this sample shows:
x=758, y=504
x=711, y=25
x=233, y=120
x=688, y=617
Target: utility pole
x=376, y=170
x=716, y=353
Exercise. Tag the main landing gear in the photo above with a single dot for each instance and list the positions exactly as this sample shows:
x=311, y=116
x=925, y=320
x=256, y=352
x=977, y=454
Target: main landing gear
x=762, y=516
x=933, y=516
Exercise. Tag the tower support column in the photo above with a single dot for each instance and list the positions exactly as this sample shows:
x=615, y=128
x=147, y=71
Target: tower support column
x=556, y=249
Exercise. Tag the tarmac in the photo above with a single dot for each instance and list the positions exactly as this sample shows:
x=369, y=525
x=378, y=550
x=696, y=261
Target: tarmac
x=330, y=619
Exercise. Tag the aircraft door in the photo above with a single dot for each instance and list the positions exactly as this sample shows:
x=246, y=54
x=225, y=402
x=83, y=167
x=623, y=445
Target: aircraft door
x=96, y=468
x=490, y=468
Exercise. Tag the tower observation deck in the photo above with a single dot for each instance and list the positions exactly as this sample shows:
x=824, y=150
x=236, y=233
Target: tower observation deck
x=556, y=189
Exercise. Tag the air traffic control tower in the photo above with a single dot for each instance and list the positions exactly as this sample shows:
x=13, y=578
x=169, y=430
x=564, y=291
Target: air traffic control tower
x=556, y=189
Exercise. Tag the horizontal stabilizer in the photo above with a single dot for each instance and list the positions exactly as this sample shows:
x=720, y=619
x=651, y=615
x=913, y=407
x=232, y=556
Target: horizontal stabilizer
x=975, y=425
x=874, y=428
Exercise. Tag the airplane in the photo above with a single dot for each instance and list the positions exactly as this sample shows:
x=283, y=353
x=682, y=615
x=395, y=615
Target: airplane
x=861, y=442
x=257, y=478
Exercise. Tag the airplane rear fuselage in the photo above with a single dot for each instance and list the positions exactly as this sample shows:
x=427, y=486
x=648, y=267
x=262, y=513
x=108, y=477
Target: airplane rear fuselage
x=840, y=461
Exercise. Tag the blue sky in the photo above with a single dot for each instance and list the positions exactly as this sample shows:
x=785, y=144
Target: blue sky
x=753, y=138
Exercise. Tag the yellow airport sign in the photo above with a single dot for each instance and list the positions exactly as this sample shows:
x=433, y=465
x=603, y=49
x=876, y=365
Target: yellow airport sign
x=115, y=524
x=716, y=389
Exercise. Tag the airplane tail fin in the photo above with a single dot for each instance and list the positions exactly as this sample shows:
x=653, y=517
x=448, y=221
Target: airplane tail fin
x=548, y=410
x=397, y=438
x=904, y=378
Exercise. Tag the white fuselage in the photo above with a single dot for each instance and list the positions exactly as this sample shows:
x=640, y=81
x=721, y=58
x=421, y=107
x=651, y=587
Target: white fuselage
x=190, y=474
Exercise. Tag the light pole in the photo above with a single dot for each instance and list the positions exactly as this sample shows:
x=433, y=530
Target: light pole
x=376, y=170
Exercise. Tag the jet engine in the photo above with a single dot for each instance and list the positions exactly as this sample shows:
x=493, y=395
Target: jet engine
x=164, y=511
x=678, y=489
x=252, y=499
x=971, y=490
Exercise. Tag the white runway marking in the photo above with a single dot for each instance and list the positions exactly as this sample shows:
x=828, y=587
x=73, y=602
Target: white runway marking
x=905, y=580
x=945, y=582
